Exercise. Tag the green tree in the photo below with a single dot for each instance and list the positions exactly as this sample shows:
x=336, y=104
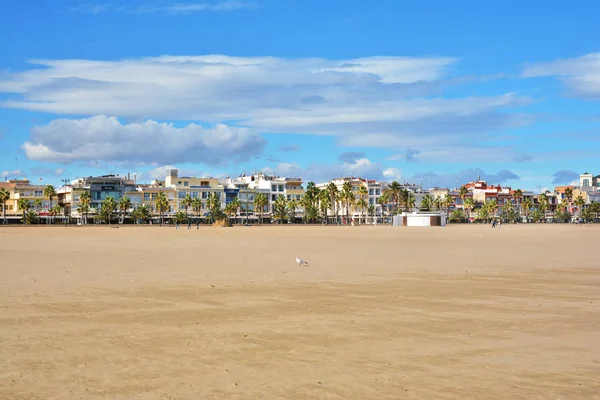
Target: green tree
x=348, y=198
x=468, y=206
x=161, y=205
x=181, y=217
x=237, y=206
x=526, y=206
x=280, y=209
x=426, y=202
x=569, y=196
x=332, y=191
x=124, y=206
x=260, y=202
x=324, y=205
x=394, y=193
x=537, y=215
x=214, y=207
x=24, y=205
x=293, y=206
x=382, y=201
x=4, y=196
x=462, y=193
x=372, y=211
x=109, y=206
x=456, y=216
x=85, y=200
x=518, y=197
x=49, y=192
x=187, y=203
x=197, y=207
x=579, y=202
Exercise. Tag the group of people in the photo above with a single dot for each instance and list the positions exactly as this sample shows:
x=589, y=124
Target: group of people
x=497, y=222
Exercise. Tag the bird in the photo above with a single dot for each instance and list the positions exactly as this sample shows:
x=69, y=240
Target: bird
x=301, y=262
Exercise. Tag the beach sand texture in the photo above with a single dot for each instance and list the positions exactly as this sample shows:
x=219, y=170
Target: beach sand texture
x=459, y=312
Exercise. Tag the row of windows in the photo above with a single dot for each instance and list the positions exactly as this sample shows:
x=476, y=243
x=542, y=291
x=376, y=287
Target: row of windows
x=277, y=188
x=29, y=193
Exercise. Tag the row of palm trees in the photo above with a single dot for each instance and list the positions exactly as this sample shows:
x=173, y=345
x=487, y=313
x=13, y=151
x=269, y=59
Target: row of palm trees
x=31, y=210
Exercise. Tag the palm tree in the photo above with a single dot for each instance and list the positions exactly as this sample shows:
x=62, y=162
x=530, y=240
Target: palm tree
x=363, y=194
x=569, y=196
x=37, y=204
x=197, y=207
x=537, y=215
x=49, y=192
x=462, y=193
x=347, y=197
x=214, y=207
x=85, y=199
x=24, y=205
x=544, y=204
x=409, y=200
x=518, y=197
x=260, y=202
x=230, y=210
x=124, y=205
x=292, y=205
x=468, y=205
x=371, y=211
x=362, y=205
x=426, y=202
x=579, y=202
x=187, y=203
x=141, y=213
x=4, y=196
x=394, y=193
x=236, y=207
x=382, y=201
x=162, y=205
x=181, y=217
x=526, y=206
x=324, y=205
x=280, y=209
x=110, y=206
x=447, y=202
x=332, y=191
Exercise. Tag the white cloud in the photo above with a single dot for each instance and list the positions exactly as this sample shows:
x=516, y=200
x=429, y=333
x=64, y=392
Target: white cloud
x=391, y=102
x=581, y=75
x=177, y=8
x=17, y=173
x=392, y=174
x=105, y=138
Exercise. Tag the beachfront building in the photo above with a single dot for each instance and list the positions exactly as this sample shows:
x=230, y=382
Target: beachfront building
x=270, y=185
x=23, y=189
x=195, y=187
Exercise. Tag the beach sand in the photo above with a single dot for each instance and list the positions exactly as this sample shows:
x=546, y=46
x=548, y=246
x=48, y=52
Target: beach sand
x=458, y=312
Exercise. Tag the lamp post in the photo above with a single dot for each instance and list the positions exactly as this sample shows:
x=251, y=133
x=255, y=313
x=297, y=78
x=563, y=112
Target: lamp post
x=65, y=182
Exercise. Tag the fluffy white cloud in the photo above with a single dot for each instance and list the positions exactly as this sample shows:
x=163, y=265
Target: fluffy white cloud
x=17, y=173
x=391, y=102
x=105, y=138
x=392, y=174
x=581, y=75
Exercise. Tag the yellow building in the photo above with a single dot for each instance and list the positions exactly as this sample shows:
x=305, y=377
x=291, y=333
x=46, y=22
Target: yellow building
x=19, y=189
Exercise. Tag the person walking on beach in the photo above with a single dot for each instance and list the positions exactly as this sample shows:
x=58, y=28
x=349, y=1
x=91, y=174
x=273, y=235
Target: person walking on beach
x=189, y=223
x=176, y=224
x=493, y=223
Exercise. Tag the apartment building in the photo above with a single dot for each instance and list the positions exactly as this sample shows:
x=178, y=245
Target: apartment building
x=23, y=189
x=270, y=185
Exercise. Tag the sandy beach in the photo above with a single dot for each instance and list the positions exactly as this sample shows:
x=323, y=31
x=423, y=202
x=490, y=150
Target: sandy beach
x=459, y=312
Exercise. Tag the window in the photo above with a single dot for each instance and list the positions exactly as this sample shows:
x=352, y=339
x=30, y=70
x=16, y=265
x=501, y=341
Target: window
x=39, y=193
x=154, y=196
x=298, y=197
x=273, y=197
x=181, y=194
x=146, y=196
x=586, y=182
x=370, y=192
x=181, y=206
x=171, y=196
x=274, y=188
x=289, y=197
x=186, y=183
x=204, y=195
x=194, y=195
x=281, y=188
x=371, y=201
x=377, y=192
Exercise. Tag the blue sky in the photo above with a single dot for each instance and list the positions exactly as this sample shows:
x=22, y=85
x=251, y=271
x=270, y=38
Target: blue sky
x=432, y=92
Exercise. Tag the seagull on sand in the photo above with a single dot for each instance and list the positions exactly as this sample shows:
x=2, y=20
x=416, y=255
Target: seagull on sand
x=300, y=262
